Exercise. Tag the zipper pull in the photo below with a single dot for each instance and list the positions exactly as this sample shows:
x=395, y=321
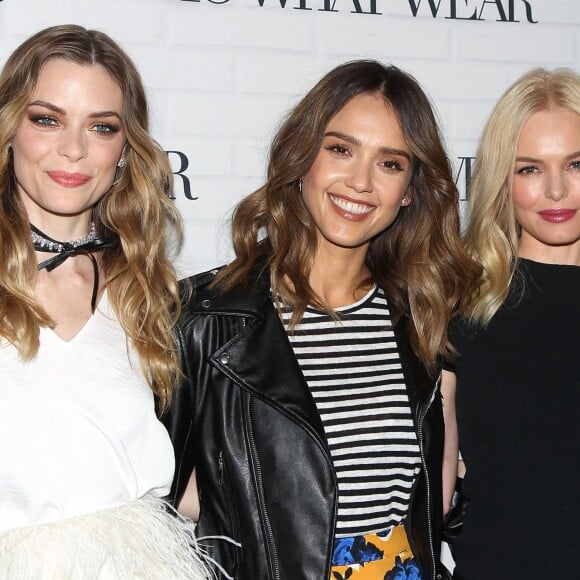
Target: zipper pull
x=221, y=469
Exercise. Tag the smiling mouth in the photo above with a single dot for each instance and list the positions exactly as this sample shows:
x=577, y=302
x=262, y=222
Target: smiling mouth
x=67, y=179
x=557, y=215
x=350, y=206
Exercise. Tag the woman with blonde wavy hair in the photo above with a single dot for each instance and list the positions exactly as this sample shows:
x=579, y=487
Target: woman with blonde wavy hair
x=512, y=393
x=310, y=417
x=87, y=298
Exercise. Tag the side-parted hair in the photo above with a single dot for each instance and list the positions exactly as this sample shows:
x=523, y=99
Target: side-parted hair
x=492, y=237
x=418, y=260
x=140, y=280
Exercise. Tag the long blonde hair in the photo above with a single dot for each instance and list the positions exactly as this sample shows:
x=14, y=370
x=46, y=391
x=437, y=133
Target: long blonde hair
x=140, y=280
x=418, y=260
x=492, y=236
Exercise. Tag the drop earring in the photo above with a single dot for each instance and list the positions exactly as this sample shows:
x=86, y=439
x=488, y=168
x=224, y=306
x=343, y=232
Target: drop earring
x=300, y=185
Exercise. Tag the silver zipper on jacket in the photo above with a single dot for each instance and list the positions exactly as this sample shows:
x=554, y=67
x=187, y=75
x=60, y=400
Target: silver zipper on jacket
x=427, y=483
x=261, y=495
x=221, y=469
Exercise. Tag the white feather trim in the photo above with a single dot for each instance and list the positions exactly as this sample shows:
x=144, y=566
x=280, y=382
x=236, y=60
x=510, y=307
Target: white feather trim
x=138, y=540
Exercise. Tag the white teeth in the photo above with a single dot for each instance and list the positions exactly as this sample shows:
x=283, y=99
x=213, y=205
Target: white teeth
x=351, y=207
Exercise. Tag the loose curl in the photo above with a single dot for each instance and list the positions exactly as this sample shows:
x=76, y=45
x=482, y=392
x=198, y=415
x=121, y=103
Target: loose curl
x=492, y=237
x=140, y=280
x=419, y=260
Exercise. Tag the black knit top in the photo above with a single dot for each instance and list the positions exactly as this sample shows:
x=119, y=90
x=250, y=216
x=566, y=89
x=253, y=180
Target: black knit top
x=518, y=409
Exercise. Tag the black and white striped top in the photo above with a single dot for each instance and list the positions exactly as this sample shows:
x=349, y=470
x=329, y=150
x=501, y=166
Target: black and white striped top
x=354, y=373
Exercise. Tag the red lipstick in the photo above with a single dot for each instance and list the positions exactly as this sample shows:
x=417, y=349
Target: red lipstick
x=67, y=179
x=557, y=216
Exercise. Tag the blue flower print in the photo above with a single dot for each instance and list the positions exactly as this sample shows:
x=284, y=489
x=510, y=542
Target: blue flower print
x=342, y=554
x=354, y=550
x=407, y=570
x=364, y=551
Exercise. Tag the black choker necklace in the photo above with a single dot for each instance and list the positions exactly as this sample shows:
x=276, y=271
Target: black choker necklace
x=86, y=245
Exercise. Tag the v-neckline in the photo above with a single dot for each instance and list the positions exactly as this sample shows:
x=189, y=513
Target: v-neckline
x=103, y=302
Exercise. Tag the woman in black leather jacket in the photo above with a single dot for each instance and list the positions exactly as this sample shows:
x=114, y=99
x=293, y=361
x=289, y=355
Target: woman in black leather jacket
x=309, y=424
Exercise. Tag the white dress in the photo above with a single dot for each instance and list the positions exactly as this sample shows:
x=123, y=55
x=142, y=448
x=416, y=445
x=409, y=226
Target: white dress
x=84, y=463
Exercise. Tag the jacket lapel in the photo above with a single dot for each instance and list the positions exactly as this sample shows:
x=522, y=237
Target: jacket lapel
x=260, y=359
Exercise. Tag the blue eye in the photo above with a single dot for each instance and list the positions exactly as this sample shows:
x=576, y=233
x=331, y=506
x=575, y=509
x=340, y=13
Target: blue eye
x=44, y=120
x=105, y=128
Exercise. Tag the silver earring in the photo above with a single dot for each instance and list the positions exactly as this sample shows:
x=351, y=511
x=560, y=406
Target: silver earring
x=405, y=201
x=300, y=185
x=121, y=163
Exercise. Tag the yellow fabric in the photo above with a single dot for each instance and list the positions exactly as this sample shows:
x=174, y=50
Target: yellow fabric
x=393, y=545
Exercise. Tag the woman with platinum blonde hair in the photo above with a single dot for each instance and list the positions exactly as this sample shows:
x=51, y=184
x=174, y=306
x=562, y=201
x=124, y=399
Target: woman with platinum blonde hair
x=310, y=416
x=512, y=392
x=87, y=310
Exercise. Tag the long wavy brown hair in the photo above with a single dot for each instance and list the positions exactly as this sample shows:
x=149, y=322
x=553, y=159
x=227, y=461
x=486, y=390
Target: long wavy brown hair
x=418, y=260
x=140, y=280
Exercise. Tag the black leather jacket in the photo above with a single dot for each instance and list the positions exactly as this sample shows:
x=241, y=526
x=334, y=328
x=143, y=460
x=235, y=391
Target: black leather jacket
x=245, y=418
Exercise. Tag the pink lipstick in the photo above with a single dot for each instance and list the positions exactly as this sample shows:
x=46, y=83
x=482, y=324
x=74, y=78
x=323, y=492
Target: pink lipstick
x=557, y=216
x=67, y=179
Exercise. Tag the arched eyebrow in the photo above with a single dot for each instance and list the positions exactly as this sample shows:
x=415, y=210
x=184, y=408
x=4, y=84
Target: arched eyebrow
x=355, y=141
x=524, y=159
x=59, y=111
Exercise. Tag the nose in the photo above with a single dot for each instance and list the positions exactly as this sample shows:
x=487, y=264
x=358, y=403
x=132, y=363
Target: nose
x=72, y=144
x=556, y=187
x=360, y=177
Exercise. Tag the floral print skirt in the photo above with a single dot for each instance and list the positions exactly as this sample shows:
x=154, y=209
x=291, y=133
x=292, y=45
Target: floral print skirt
x=383, y=556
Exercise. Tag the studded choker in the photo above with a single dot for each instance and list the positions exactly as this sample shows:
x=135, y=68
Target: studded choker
x=44, y=243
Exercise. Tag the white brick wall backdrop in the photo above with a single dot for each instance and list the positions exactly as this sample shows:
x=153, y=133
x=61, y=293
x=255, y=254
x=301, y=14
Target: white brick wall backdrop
x=220, y=75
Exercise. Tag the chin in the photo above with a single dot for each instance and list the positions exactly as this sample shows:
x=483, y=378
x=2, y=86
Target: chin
x=70, y=212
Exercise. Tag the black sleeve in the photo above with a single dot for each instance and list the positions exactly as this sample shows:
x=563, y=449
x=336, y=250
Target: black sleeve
x=178, y=420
